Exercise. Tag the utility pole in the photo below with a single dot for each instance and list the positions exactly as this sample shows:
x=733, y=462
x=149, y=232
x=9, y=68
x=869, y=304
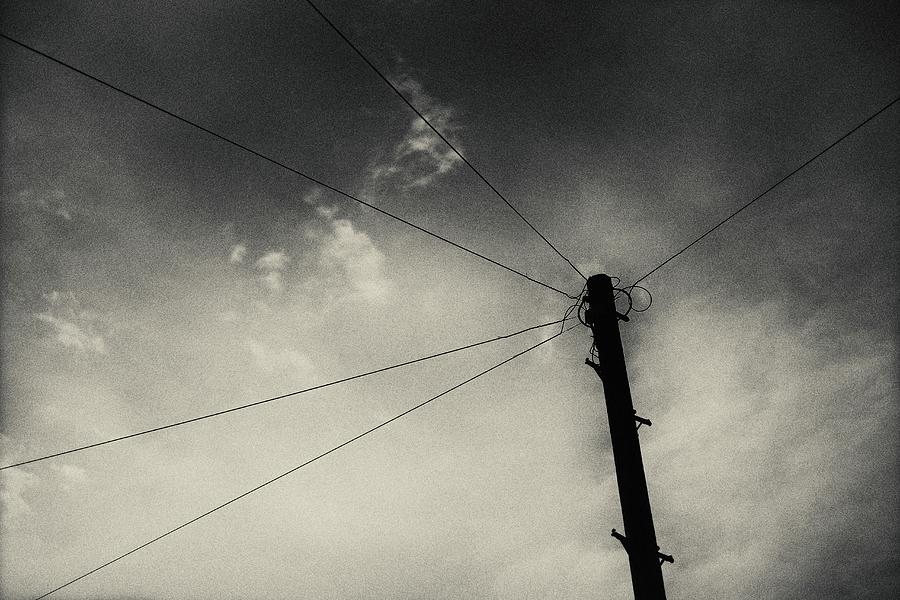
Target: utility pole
x=640, y=538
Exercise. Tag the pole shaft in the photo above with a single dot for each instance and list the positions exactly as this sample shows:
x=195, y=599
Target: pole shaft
x=646, y=574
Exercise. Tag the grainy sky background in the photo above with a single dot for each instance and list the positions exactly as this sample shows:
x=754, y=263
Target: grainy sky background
x=152, y=273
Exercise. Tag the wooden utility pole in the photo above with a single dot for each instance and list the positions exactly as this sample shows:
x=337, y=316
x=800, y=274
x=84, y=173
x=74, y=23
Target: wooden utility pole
x=640, y=538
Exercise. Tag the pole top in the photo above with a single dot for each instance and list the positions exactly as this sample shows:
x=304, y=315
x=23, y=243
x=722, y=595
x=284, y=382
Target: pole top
x=601, y=281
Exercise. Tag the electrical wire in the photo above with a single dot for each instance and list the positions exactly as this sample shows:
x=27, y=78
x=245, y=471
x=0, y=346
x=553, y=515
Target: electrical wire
x=282, y=396
x=276, y=162
x=575, y=307
x=628, y=294
x=769, y=189
x=440, y=135
x=300, y=466
x=630, y=288
x=581, y=319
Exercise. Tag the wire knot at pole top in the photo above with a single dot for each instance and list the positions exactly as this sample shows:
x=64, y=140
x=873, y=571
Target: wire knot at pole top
x=599, y=287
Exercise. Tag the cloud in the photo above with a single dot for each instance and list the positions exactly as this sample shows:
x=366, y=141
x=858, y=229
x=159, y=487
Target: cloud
x=272, y=361
x=272, y=261
x=327, y=212
x=312, y=197
x=72, y=325
x=72, y=336
x=325, y=257
x=54, y=203
x=779, y=456
x=14, y=486
x=421, y=155
x=72, y=473
x=352, y=253
x=272, y=265
x=238, y=252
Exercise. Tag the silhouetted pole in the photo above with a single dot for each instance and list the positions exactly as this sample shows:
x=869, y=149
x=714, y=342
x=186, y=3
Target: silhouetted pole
x=640, y=538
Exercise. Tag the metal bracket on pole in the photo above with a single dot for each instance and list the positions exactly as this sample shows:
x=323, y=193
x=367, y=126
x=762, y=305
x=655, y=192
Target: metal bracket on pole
x=594, y=366
x=641, y=421
x=662, y=557
x=622, y=539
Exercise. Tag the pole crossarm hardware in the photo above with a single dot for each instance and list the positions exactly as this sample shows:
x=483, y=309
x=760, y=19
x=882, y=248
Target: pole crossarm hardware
x=641, y=421
x=662, y=557
x=639, y=540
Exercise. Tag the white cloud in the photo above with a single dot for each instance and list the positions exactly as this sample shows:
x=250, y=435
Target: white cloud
x=55, y=298
x=72, y=473
x=71, y=335
x=327, y=212
x=433, y=156
x=274, y=280
x=277, y=361
x=353, y=253
x=272, y=261
x=54, y=203
x=238, y=252
x=72, y=325
x=70, y=476
x=759, y=459
x=330, y=256
x=421, y=155
x=14, y=486
x=312, y=196
x=272, y=265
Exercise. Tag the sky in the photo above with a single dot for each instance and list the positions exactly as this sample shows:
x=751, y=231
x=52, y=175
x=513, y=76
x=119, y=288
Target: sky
x=152, y=273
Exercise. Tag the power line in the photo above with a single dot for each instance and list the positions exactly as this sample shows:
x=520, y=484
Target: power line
x=300, y=466
x=276, y=162
x=282, y=396
x=440, y=135
x=769, y=189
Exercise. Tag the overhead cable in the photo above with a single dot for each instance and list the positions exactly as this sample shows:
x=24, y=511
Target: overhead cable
x=282, y=396
x=300, y=466
x=439, y=134
x=276, y=162
x=769, y=189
